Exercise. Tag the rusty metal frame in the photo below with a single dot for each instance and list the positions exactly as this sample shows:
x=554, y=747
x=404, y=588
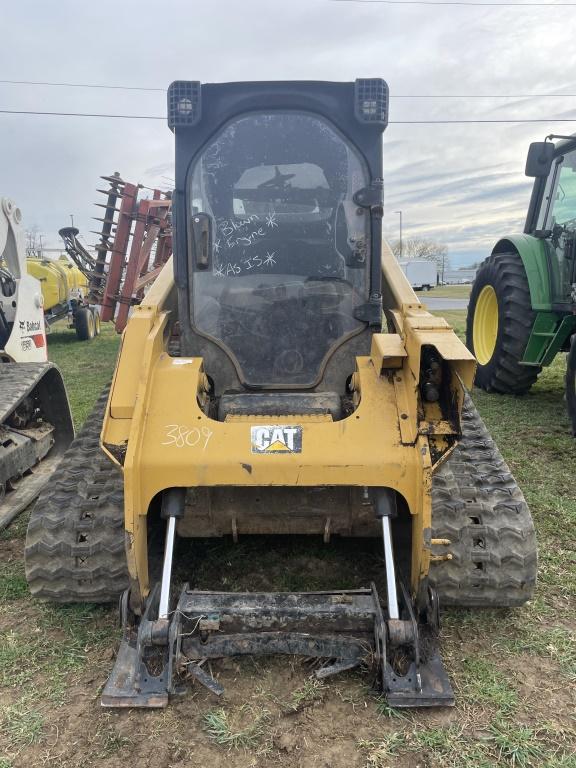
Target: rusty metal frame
x=119, y=248
x=135, y=243
x=342, y=629
x=152, y=219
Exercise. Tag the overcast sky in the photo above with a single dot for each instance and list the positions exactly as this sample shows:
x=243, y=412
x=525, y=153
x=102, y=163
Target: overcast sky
x=460, y=184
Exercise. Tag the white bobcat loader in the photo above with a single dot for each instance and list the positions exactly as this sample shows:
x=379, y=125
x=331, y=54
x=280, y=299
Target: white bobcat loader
x=35, y=419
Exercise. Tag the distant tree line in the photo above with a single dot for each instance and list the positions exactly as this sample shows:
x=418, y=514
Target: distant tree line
x=420, y=248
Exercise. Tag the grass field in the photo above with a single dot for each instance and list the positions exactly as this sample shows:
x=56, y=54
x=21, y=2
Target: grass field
x=514, y=672
x=87, y=366
x=446, y=292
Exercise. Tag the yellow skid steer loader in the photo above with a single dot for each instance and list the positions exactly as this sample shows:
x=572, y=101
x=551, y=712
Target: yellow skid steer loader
x=260, y=391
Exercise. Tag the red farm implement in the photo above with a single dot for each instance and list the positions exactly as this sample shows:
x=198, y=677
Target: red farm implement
x=135, y=242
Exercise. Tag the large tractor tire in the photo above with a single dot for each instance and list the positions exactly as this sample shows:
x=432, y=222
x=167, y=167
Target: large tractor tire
x=571, y=383
x=499, y=323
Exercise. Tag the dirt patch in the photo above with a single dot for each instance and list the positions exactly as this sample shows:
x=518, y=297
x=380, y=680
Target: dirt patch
x=552, y=698
x=330, y=729
x=273, y=713
x=321, y=734
x=11, y=548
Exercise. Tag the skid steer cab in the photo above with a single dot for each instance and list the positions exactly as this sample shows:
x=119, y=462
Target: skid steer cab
x=257, y=393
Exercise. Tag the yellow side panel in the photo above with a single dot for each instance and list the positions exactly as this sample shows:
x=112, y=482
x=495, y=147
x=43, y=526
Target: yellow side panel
x=173, y=443
x=452, y=350
x=387, y=351
x=129, y=368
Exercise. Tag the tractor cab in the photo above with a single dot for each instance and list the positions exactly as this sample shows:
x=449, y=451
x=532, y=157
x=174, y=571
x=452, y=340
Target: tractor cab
x=278, y=210
x=552, y=215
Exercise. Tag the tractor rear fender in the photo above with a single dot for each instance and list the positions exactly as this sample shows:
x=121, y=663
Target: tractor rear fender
x=532, y=251
x=551, y=330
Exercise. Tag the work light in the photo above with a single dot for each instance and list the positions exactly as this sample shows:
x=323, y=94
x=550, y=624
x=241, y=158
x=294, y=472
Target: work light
x=371, y=101
x=184, y=103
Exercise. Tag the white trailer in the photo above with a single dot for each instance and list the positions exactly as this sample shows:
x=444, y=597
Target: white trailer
x=421, y=273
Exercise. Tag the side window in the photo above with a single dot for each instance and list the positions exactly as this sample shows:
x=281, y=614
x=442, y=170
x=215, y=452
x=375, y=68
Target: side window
x=559, y=203
x=548, y=197
x=560, y=220
x=563, y=209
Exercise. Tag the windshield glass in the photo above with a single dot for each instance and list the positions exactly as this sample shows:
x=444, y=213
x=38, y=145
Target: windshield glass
x=289, y=263
x=559, y=218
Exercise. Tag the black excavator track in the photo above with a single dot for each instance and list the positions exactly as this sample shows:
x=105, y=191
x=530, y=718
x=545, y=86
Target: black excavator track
x=35, y=431
x=75, y=543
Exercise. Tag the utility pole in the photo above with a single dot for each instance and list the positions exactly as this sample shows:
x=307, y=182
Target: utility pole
x=400, y=214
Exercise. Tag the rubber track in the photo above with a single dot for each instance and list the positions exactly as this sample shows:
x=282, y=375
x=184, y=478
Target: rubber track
x=17, y=380
x=75, y=543
x=75, y=540
x=508, y=376
x=477, y=504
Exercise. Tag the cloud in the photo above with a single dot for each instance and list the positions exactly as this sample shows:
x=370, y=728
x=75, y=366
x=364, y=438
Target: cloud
x=462, y=184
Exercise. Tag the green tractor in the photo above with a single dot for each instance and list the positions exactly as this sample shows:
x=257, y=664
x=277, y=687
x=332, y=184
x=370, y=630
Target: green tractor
x=522, y=308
